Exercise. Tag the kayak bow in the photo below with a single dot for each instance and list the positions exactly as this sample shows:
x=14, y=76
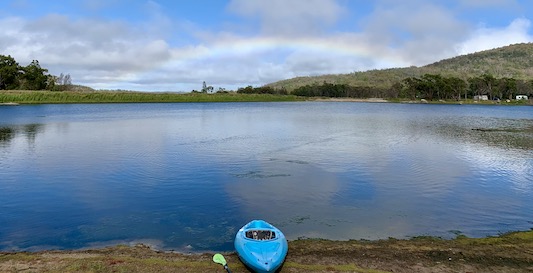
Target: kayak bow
x=261, y=246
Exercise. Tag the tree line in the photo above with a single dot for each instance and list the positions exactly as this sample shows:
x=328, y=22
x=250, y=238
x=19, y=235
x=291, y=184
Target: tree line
x=434, y=86
x=31, y=77
x=341, y=90
x=262, y=90
x=427, y=86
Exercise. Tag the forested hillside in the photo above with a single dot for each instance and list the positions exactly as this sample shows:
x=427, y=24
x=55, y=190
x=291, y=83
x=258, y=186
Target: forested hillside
x=514, y=61
x=498, y=73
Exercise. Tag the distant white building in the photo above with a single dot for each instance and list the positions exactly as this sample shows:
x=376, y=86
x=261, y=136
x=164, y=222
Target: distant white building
x=521, y=97
x=481, y=97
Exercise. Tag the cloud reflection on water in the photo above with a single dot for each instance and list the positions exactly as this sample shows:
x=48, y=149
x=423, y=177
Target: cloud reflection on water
x=337, y=170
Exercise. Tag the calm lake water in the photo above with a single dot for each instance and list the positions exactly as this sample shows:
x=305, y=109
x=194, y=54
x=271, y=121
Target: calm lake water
x=187, y=176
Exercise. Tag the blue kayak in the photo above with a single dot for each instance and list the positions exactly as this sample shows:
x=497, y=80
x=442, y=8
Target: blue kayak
x=261, y=246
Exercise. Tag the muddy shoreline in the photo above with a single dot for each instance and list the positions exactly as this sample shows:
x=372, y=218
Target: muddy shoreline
x=511, y=252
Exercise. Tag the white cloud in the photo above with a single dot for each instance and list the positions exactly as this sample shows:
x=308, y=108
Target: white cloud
x=295, y=17
x=487, y=38
x=90, y=50
x=277, y=40
x=420, y=31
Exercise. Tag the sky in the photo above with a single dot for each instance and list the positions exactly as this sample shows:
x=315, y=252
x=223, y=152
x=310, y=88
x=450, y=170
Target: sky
x=176, y=45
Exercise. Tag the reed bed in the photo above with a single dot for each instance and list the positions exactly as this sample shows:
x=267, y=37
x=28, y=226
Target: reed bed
x=44, y=97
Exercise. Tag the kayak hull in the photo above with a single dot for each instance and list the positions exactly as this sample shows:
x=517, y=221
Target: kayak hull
x=261, y=246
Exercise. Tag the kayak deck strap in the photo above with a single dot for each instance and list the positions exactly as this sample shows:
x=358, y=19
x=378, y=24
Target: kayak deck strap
x=260, y=235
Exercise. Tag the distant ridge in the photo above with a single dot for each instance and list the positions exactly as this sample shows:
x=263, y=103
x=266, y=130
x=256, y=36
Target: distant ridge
x=513, y=61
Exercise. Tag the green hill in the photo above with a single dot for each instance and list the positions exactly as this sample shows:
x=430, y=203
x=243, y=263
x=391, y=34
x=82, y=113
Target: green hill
x=513, y=61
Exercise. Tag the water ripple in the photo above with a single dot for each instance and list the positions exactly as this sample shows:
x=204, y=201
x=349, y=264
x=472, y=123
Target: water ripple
x=187, y=176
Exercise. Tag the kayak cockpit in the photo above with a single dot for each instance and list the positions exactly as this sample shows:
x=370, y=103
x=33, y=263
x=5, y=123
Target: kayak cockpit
x=261, y=246
x=260, y=235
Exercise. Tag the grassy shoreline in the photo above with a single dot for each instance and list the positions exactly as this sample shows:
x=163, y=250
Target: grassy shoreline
x=512, y=252
x=17, y=97
x=51, y=97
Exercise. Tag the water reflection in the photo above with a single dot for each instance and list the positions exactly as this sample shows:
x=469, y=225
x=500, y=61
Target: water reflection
x=30, y=131
x=187, y=176
x=6, y=134
x=288, y=195
x=378, y=176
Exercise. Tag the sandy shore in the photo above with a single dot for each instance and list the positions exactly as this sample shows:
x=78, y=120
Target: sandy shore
x=507, y=253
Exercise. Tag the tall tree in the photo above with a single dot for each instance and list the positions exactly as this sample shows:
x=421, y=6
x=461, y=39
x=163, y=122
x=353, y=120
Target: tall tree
x=433, y=84
x=506, y=88
x=457, y=87
x=59, y=80
x=477, y=86
x=63, y=82
x=490, y=83
x=34, y=76
x=9, y=72
x=412, y=88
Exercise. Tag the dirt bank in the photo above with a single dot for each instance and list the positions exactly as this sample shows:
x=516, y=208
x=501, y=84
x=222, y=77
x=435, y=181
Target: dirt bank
x=507, y=253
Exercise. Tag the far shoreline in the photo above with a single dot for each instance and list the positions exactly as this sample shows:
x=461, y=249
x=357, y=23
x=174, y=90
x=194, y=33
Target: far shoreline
x=24, y=97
